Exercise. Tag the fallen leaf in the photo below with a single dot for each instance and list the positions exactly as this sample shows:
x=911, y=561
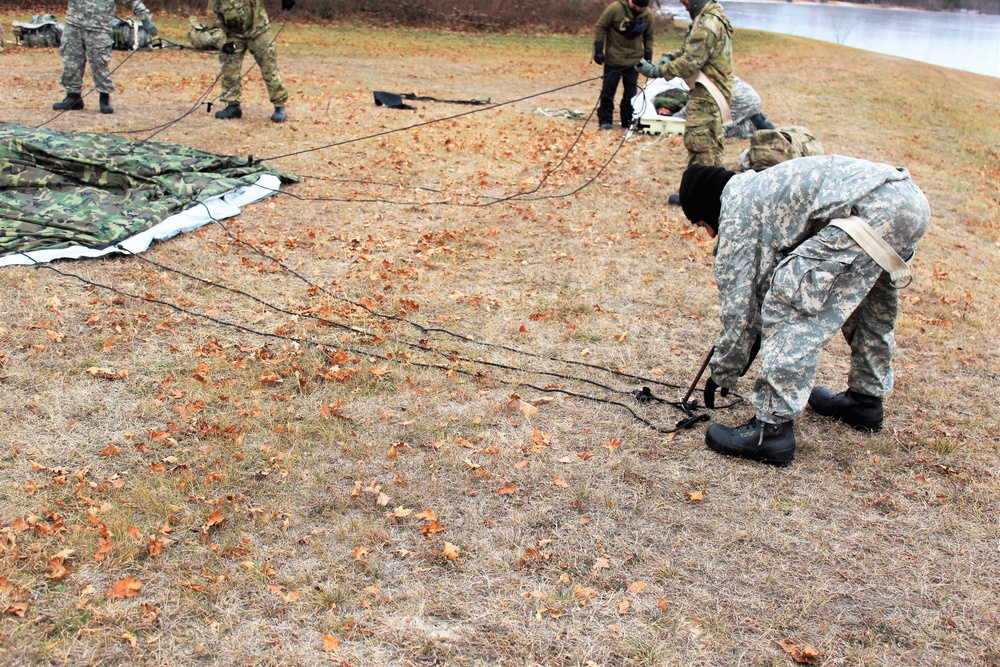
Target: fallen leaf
x=636, y=587
x=559, y=481
x=450, y=551
x=128, y=587
x=623, y=606
x=330, y=644
x=807, y=655
x=506, y=490
x=696, y=496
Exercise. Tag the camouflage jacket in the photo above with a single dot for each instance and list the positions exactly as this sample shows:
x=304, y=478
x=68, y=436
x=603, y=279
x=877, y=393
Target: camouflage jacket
x=244, y=19
x=626, y=36
x=765, y=216
x=707, y=48
x=100, y=14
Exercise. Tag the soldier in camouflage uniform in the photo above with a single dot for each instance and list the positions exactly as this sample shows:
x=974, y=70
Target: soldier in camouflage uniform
x=745, y=109
x=246, y=25
x=790, y=279
x=87, y=38
x=707, y=49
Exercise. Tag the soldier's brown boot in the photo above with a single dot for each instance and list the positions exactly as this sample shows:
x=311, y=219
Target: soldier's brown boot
x=73, y=102
x=106, y=103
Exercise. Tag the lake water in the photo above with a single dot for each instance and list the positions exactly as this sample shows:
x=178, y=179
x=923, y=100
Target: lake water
x=968, y=42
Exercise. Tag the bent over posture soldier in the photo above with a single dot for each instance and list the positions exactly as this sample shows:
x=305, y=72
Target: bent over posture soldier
x=87, y=37
x=623, y=36
x=246, y=25
x=705, y=62
x=804, y=248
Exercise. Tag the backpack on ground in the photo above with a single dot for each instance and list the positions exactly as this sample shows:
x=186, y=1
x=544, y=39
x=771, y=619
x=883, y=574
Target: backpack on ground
x=205, y=35
x=129, y=35
x=769, y=147
x=44, y=30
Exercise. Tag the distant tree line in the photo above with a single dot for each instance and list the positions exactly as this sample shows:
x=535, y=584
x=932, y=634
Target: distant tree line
x=478, y=15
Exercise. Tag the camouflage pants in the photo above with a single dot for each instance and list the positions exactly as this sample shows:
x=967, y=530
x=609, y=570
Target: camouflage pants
x=261, y=48
x=703, y=129
x=80, y=46
x=829, y=283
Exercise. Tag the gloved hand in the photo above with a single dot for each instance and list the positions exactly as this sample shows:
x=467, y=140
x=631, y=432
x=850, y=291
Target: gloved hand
x=648, y=69
x=648, y=55
x=665, y=58
x=599, y=53
x=287, y=4
x=150, y=27
x=229, y=48
x=710, y=389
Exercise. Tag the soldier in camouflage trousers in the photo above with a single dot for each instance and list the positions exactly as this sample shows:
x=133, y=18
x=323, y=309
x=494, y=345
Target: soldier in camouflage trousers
x=788, y=280
x=87, y=38
x=246, y=25
x=707, y=50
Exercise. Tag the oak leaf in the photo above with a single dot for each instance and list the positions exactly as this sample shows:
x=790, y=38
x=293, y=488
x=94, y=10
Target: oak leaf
x=806, y=655
x=450, y=551
x=128, y=587
x=330, y=644
x=506, y=490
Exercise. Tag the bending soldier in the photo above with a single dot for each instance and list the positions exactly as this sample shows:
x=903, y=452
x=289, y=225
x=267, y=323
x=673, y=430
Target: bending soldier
x=805, y=248
x=246, y=25
x=87, y=38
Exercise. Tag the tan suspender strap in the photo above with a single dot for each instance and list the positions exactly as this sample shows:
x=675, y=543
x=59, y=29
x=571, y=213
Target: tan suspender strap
x=713, y=90
x=875, y=246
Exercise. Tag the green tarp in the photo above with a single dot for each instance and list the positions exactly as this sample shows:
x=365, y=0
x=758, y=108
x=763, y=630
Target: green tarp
x=78, y=190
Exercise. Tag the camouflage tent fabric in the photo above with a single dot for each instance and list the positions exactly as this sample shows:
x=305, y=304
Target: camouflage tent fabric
x=92, y=191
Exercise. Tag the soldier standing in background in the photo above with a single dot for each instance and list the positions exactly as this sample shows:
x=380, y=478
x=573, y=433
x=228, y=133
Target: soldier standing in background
x=805, y=248
x=623, y=36
x=246, y=25
x=705, y=62
x=87, y=38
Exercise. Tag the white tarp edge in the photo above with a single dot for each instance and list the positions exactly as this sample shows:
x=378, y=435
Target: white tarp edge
x=217, y=208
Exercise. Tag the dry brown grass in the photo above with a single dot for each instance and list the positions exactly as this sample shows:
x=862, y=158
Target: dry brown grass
x=875, y=550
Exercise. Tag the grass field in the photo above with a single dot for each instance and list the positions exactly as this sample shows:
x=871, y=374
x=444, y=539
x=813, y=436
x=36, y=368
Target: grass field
x=394, y=494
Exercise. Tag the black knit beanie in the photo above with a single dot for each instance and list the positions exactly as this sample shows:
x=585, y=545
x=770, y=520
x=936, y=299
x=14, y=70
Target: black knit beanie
x=701, y=193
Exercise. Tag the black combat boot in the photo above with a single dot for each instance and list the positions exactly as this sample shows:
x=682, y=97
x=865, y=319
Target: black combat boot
x=857, y=410
x=674, y=199
x=106, y=103
x=279, y=115
x=73, y=102
x=231, y=111
x=755, y=440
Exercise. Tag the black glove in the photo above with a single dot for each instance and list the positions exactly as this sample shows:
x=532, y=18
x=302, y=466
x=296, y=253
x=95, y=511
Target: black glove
x=229, y=48
x=599, y=53
x=648, y=56
x=150, y=27
x=287, y=4
x=710, y=388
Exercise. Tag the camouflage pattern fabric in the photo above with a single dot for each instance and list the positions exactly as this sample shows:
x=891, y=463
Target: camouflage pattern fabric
x=43, y=31
x=745, y=103
x=769, y=147
x=129, y=35
x=62, y=188
x=245, y=23
x=80, y=46
x=707, y=48
x=205, y=35
x=100, y=14
x=672, y=100
x=784, y=274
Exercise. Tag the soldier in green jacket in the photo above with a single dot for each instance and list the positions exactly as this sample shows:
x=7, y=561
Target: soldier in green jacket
x=246, y=25
x=623, y=36
x=705, y=62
